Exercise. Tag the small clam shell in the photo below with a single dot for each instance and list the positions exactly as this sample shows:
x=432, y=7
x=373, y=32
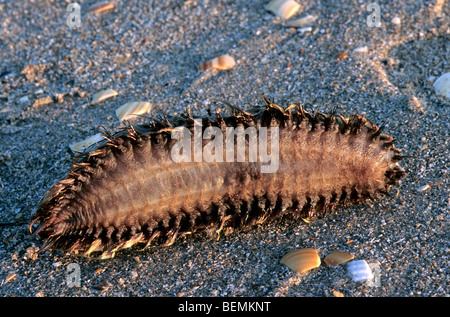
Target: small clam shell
x=396, y=21
x=442, y=85
x=103, y=95
x=283, y=8
x=132, y=109
x=359, y=270
x=298, y=23
x=301, y=260
x=222, y=62
x=338, y=257
x=83, y=145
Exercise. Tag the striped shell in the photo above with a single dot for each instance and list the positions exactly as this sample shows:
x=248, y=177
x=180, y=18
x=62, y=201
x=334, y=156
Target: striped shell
x=129, y=190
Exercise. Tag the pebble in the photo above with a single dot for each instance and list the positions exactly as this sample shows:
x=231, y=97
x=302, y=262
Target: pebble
x=24, y=99
x=42, y=101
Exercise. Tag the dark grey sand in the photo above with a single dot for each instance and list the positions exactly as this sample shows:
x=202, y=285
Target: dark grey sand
x=150, y=50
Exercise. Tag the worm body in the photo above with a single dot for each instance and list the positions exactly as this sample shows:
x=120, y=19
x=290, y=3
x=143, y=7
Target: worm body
x=130, y=189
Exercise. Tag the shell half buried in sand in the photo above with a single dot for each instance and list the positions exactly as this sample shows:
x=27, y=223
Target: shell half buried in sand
x=301, y=260
x=305, y=21
x=103, y=95
x=86, y=143
x=222, y=62
x=359, y=270
x=283, y=8
x=132, y=110
x=442, y=85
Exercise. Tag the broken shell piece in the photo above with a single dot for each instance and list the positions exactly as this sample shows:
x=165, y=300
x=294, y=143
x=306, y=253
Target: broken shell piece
x=338, y=257
x=132, y=110
x=304, y=30
x=103, y=95
x=83, y=145
x=9, y=277
x=442, y=85
x=341, y=55
x=222, y=62
x=359, y=270
x=337, y=294
x=283, y=8
x=301, y=260
x=424, y=188
x=101, y=7
x=298, y=23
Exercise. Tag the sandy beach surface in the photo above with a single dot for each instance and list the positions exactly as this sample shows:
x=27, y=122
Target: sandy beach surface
x=150, y=51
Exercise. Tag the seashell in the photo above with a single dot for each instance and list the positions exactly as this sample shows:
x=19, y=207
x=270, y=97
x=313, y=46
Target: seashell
x=132, y=109
x=359, y=270
x=424, y=188
x=442, y=85
x=222, y=62
x=304, y=29
x=338, y=257
x=103, y=95
x=298, y=23
x=341, y=55
x=362, y=49
x=396, y=21
x=8, y=278
x=301, y=260
x=337, y=294
x=101, y=7
x=85, y=144
x=283, y=8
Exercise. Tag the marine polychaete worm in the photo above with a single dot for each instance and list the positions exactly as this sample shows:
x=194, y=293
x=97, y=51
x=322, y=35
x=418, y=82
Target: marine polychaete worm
x=129, y=190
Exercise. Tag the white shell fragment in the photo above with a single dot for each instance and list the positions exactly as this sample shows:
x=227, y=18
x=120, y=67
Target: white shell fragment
x=132, y=110
x=83, y=145
x=442, y=85
x=283, y=8
x=396, y=21
x=103, y=95
x=362, y=49
x=222, y=62
x=298, y=23
x=301, y=260
x=424, y=188
x=359, y=270
x=305, y=29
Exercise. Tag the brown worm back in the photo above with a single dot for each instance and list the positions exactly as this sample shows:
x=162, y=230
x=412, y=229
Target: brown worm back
x=129, y=190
